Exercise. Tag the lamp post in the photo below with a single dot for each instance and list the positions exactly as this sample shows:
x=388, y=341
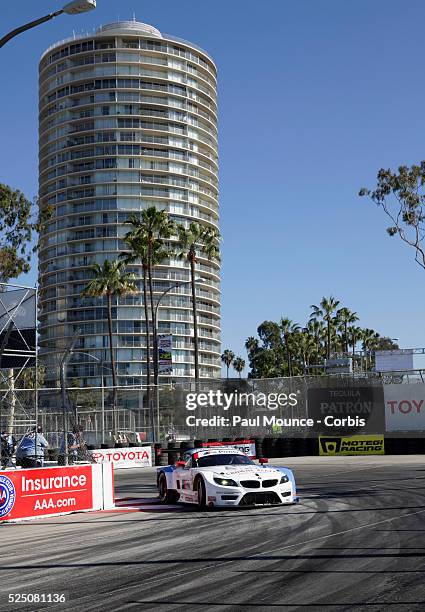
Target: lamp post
x=71, y=8
x=156, y=356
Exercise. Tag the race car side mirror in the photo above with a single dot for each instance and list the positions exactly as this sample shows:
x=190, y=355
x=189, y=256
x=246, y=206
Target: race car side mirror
x=263, y=460
x=180, y=464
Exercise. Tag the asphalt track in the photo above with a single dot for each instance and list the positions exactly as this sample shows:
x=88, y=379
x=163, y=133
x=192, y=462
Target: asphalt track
x=355, y=542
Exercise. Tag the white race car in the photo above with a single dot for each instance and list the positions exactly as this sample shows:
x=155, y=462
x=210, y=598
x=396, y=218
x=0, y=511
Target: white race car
x=224, y=477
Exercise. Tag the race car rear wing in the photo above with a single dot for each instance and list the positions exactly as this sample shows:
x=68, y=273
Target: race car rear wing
x=245, y=446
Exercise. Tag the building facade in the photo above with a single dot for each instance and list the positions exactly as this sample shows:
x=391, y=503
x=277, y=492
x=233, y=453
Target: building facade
x=128, y=120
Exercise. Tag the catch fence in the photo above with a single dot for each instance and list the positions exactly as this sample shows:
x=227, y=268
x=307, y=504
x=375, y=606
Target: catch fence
x=187, y=411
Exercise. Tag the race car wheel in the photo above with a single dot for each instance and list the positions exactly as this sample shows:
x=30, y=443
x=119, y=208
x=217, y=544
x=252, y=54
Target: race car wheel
x=165, y=495
x=202, y=498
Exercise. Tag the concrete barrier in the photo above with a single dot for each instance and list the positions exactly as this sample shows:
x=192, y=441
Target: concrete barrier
x=42, y=492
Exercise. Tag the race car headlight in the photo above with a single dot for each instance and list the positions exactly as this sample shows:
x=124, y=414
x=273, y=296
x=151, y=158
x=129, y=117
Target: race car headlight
x=284, y=479
x=225, y=482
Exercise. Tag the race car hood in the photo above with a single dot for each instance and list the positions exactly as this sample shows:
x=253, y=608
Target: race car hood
x=243, y=471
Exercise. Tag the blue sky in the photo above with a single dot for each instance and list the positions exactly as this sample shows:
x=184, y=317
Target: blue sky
x=315, y=97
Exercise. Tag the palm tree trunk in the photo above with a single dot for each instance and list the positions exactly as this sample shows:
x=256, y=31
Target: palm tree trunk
x=288, y=354
x=148, y=341
x=113, y=365
x=195, y=316
x=155, y=346
x=155, y=339
x=328, y=348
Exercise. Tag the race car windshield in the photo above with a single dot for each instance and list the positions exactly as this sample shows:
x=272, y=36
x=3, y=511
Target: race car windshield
x=225, y=459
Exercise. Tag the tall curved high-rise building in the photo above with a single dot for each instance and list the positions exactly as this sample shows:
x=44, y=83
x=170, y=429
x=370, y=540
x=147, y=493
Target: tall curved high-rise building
x=128, y=120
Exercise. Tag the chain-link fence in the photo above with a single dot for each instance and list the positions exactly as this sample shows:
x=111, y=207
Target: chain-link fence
x=211, y=409
x=264, y=407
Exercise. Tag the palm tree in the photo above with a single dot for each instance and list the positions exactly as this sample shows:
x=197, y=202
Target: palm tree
x=197, y=241
x=354, y=335
x=227, y=358
x=110, y=280
x=325, y=311
x=373, y=346
x=152, y=227
x=317, y=330
x=369, y=338
x=288, y=328
x=139, y=251
x=337, y=341
x=304, y=346
x=251, y=344
x=344, y=317
x=238, y=365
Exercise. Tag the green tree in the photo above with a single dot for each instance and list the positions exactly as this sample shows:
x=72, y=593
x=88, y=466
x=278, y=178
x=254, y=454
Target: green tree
x=288, y=328
x=251, y=344
x=284, y=347
x=385, y=344
x=369, y=338
x=227, y=358
x=270, y=335
x=238, y=365
x=265, y=364
x=326, y=311
x=354, y=334
x=401, y=195
x=152, y=227
x=317, y=330
x=19, y=224
x=194, y=242
x=344, y=317
x=110, y=280
x=252, y=348
x=304, y=346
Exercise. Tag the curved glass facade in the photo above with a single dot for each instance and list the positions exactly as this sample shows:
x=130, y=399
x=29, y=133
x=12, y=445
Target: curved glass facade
x=128, y=120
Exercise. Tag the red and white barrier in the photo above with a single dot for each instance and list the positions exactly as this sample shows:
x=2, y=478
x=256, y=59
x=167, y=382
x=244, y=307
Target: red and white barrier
x=132, y=457
x=42, y=492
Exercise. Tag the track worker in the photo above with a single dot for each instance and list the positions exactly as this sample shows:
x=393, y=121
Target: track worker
x=76, y=446
x=27, y=456
x=8, y=446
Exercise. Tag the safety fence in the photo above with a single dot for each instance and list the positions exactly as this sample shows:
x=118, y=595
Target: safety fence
x=217, y=409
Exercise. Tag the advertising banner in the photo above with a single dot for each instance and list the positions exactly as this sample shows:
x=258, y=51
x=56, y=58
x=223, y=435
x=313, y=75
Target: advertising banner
x=165, y=358
x=405, y=407
x=45, y=491
x=396, y=360
x=132, y=457
x=347, y=410
x=354, y=445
